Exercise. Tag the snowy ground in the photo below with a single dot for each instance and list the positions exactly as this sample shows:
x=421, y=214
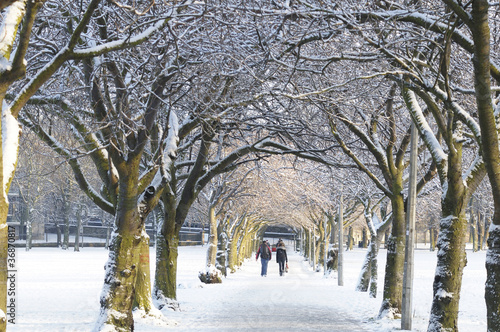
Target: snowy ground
x=59, y=291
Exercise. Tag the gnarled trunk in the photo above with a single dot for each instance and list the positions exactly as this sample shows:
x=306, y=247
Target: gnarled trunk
x=451, y=258
x=118, y=294
x=165, y=286
x=124, y=263
x=143, y=300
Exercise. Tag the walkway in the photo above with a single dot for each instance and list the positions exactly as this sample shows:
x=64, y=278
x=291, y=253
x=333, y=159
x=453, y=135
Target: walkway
x=245, y=301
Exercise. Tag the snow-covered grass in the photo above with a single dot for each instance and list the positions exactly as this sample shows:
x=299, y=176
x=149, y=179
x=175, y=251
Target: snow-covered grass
x=59, y=291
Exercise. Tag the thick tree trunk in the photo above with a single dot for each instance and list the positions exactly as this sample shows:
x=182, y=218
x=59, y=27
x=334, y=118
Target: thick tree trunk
x=221, y=263
x=143, y=300
x=233, y=253
x=369, y=275
x=245, y=249
x=374, y=268
x=212, y=239
x=364, y=276
x=473, y=237
x=351, y=238
x=233, y=245
x=58, y=232
x=120, y=281
x=449, y=271
x=365, y=238
x=211, y=274
x=165, y=287
x=491, y=153
x=487, y=223
x=122, y=268
x=480, y=232
x=451, y=258
x=393, y=283
x=432, y=240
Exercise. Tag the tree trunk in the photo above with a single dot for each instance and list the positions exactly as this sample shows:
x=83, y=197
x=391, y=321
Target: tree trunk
x=351, y=238
x=108, y=234
x=374, y=246
x=65, y=244
x=487, y=222
x=369, y=271
x=364, y=276
x=123, y=266
x=365, y=238
x=212, y=239
x=393, y=283
x=211, y=274
x=480, y=232
x=221, y=251
x=233, y=252
x=29, y=233
x=165, y=287
x=119, y=284
x=313, y=248
x=433, y=234
x=451, y=258
x=78, y=227
x=58, y=232
x=142, y=298
x=491, y=153
x=473, y=235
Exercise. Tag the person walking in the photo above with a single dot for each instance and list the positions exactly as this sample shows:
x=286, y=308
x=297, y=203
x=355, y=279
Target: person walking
x=281, y=257
x=265, y=256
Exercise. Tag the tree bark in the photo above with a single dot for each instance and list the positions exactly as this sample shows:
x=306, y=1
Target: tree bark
x=491, y=153
x=120, y=282
x=221, y=250
x=78, y=227
x=143, y=300
x=351, y=238
x=451, y=258
x=212, y=239
x=165, y=287
x=66, y=213
x=124, y=265
x=393, y=283
x=29, y=232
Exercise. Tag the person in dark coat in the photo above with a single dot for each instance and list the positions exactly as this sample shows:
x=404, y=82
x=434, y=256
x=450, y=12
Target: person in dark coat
x=265, y=256
x=281, y=257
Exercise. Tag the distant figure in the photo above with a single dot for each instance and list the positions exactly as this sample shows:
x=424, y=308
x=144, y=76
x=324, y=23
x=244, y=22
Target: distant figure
x=281, y=257
x=265, y=256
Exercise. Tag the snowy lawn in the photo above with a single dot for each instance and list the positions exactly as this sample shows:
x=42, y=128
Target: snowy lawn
x=59, y=291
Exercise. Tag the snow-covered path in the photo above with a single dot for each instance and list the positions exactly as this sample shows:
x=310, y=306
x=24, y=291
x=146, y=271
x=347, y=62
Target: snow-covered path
x=298, y=301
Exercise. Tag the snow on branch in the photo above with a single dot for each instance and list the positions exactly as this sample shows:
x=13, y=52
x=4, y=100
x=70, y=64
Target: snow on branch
x=127, y=42
x=10, y=146
x=305, y=96
x=425, y=131
x=8, y=30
